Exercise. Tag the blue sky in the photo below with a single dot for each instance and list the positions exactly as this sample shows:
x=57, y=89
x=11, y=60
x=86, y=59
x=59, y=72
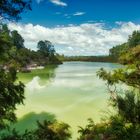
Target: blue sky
x=47, y=13
x=79, y=27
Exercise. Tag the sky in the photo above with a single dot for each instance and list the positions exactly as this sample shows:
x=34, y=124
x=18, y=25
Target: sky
x=79, y=27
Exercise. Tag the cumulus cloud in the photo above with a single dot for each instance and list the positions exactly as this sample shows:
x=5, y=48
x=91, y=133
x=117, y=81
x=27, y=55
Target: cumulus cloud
x=78, y=13
x=58, y=2
x=84, y=39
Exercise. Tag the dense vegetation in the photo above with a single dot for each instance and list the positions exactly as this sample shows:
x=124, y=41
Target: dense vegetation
x=11, y=9
x=133, y=41
x=46, y=130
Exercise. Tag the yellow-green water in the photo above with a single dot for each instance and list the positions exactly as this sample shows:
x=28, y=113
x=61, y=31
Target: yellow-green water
x=72, y=92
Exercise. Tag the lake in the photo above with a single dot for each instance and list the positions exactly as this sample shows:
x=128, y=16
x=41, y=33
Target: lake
x=71, y=91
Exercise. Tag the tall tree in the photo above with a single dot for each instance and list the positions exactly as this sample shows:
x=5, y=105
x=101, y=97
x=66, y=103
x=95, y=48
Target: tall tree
x=5, y=42
x=17, y=39
x=134, y=39
x=46, y=48
x=46, y=53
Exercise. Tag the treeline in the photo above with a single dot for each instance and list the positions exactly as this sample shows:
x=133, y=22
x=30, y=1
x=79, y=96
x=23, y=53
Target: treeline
x=87, y=58
x=14, y=53
x=117, y=52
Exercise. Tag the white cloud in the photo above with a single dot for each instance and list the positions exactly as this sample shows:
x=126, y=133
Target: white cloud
x=74, y=14
x=58, y=2
x=84, y=39
x=78, y=13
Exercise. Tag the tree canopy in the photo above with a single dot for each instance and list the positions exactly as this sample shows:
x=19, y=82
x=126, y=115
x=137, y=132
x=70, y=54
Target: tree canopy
x=11, y=9
x=18, y=41
x=11, y=94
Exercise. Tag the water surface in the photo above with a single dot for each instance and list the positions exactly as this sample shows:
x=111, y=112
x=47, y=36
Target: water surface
x=74, y=94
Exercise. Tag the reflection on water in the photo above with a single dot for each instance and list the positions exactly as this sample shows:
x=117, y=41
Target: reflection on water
x=74, y=94
x=28, y=121
x=34, y=85
x=46, y=75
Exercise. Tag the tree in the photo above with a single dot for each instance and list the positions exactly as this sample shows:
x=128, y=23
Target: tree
x=11, y=44
x=134, y=39
x=5, y=42
x=14, y=135
x=11, y=9
x=17, y=39
x=11, y=93
x=46, y=130
x=46, y=53
x=52, y=131
x=116, y=51
x=46, y=48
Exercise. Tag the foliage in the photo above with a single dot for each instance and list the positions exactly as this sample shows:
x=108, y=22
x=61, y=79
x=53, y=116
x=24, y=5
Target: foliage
x=116, y=51
x=122, y=126
x=91, y=131
x=52, y=131
x=45, y=131
x=17, y=39
x=5, y=43
x=87, y=58
x=134, y=39
x=46, y=48
x=47, y=53
x=131, y=58
x=14, y=135
x=11, y=9
x=11, y=94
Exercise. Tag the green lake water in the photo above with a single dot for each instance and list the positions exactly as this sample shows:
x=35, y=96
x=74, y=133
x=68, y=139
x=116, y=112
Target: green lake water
x=70, y=92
